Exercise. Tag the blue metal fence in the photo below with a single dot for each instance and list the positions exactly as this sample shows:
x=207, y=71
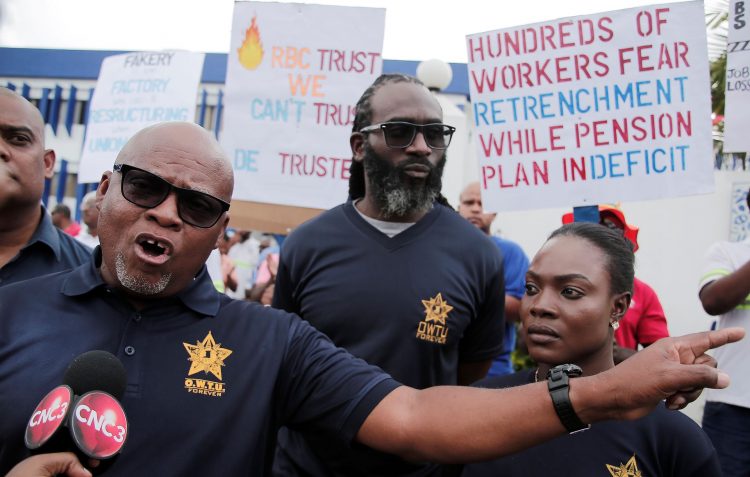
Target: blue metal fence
x=63, y=107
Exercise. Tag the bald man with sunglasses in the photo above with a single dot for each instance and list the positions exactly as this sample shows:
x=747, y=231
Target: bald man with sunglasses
x=210, y=380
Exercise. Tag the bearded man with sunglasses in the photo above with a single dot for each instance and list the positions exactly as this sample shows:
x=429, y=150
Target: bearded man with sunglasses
x=394, y=275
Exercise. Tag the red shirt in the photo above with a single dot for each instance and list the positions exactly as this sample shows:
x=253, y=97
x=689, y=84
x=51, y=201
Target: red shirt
x=73, y=229
x=644, y=321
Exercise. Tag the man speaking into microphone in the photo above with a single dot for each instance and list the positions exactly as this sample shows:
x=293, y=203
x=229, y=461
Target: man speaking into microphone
x=210, y=380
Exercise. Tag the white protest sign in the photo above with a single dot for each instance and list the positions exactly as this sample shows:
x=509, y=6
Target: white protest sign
x=294, y=75
x=598, y=108
x=737, y=88
x=135, y=90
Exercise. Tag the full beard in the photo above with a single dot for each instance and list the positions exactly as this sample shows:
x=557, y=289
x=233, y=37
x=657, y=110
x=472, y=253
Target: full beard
x=395, y=192
x=138, y=284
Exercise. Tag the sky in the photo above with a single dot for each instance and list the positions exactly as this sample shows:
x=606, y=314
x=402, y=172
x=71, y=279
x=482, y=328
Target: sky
x=415, y=29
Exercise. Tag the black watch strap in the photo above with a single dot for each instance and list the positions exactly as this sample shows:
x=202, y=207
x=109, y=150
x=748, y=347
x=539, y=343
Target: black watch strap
x=558, y=379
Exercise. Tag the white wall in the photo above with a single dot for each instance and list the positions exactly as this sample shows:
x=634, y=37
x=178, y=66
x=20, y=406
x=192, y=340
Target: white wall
x=453, y=174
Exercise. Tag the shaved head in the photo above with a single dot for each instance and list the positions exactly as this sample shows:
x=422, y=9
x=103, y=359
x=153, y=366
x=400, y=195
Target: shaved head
x=471, y=208
x=88, y=200
x=152, y=251
x=175, y=140
x=24, y=162
x=471, y=188
x=35, y=116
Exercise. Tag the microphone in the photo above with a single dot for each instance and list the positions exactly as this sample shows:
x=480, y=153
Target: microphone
x=87, y=405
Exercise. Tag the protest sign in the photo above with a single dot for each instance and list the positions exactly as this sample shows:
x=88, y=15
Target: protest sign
x=294, y=75
x=135, y=90
x=598, y=108
x=737, y=88
x=739, y=215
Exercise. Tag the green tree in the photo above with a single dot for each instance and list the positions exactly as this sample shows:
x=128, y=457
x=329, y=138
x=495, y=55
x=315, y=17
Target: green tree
x=717, y=16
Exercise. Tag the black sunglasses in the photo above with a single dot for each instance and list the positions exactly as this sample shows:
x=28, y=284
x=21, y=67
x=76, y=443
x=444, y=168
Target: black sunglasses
x=148, y=190
x=400, y=134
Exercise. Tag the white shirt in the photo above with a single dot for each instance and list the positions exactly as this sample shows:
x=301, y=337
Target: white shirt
x=722, y=259
x=87, y=239
x=245, y=258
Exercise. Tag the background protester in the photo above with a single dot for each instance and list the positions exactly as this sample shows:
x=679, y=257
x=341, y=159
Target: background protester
x=515, y=264
x=90, y=215
x=61, y=218
x=725, y=292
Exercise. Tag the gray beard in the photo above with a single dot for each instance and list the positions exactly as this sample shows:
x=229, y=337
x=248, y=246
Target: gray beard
x=398, y=195
x=138, y=284
x=399, y=202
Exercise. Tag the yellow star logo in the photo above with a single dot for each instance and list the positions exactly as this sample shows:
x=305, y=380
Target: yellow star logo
x=436, y=309
x=207, y=356
x=629, y=469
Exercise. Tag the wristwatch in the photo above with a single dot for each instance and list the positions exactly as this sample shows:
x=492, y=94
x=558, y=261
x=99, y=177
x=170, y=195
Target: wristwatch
x=557, y=383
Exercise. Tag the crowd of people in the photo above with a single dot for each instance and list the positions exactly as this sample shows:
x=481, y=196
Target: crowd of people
x=350, y=346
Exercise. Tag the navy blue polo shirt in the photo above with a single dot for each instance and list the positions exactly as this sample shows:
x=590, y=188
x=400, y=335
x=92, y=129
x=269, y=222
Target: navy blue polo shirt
x=49, y=250
x=210, y=379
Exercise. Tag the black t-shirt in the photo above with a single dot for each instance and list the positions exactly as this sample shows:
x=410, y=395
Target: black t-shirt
x=665, y=443
x=415, y=304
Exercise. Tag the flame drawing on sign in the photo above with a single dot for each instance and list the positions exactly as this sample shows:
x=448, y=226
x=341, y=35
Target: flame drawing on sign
x=251, y=52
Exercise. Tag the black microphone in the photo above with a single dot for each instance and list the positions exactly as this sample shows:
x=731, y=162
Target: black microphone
x=96, y=370
x=87, y=405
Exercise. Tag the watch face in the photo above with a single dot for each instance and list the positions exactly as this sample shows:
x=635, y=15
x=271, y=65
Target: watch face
x=571, y=370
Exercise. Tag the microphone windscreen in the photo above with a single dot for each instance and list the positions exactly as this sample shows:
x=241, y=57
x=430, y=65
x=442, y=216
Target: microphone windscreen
x=96, y=371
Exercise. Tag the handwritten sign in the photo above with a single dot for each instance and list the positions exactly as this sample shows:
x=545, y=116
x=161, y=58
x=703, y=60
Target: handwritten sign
x=737, y=88
x=294, y=75
x=591, y=109
x=135, y=90
x=739, y=216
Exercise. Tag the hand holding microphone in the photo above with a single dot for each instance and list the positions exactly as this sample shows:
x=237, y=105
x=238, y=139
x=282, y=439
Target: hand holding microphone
x=86, y=404
x=49, y=465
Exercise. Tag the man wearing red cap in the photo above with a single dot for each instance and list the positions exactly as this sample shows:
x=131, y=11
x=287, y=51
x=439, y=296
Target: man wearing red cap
x=644, y=322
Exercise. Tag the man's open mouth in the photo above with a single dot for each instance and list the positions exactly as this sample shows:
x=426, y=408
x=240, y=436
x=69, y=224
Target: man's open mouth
x=153, y=249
